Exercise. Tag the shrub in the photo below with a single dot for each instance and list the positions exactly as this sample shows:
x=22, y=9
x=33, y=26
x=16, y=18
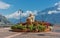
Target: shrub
x=24, y=27
x=34, y=27
x=17, y=26
x=14, y=27
x=41, y=28
x=30, y=27
x=20, y=27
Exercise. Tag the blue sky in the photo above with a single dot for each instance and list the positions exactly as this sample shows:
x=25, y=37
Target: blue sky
x=13, y=5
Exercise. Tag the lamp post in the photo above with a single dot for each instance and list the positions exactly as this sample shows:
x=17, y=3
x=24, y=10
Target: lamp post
x=20, y=13
x=42, y=17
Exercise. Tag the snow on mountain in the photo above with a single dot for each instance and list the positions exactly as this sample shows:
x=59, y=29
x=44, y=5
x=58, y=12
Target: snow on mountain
x=16, y=16
x=51, y=14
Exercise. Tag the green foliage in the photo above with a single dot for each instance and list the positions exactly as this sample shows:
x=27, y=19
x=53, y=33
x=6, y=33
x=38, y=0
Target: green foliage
x=24, y=27
x=13, y=27
x=34, y=27
x=21, y=27
x=31, y=27
x=41, y=27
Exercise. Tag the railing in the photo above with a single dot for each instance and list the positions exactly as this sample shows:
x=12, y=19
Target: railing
x=5, y=25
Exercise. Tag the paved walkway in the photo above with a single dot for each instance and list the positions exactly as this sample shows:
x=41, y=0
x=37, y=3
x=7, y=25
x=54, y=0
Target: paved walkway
x=5, y=33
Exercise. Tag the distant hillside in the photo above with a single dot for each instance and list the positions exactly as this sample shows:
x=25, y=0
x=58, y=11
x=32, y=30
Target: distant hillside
x=51, y=14
x=3, y=20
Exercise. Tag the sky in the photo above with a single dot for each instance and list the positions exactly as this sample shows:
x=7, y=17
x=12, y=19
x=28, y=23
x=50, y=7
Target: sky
x=10, y=7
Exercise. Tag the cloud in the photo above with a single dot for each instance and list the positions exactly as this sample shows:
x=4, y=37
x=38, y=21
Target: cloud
x=58, y=8
x=4, y=5
x=58, y=3
x=29, y=12
x=13, y=15
x=17, y=15
x=54, y=11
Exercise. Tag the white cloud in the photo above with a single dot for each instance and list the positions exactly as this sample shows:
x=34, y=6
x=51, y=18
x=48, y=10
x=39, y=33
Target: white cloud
x=29, y=12
x=16, y=15
x=58, y=8
x=13, y=15
x=58, y=3
x=4, y=5
x=54, y=11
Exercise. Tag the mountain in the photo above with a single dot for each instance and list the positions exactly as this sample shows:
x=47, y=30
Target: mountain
x=14, y=21
x=3, y=20
x=51, y=14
